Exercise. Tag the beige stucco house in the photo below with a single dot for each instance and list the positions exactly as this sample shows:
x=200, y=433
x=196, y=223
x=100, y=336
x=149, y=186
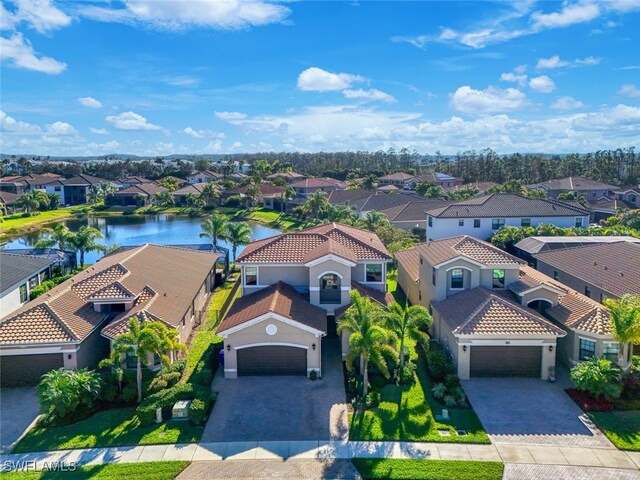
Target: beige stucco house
x=498, y=317
x=297, y=279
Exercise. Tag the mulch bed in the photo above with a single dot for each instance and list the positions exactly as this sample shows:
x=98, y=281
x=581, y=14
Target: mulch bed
x=589, y=404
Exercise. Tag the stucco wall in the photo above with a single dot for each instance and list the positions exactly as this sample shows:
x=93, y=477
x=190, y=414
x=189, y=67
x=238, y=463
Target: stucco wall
x=297, y=276
x=286, y=335
x=540, y=294
x=409, y=286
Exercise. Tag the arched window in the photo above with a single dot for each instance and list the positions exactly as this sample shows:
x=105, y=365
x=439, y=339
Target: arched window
x=330, y=288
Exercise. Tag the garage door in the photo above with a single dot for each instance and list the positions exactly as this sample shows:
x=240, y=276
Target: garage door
x=26, y=370
x=506, y=361
x=272, y=360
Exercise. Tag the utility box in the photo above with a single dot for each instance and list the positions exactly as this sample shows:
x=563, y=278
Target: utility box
x=180, y=410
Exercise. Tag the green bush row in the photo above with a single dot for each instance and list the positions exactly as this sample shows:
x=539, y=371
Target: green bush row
x=47, y=285
x=201, y=403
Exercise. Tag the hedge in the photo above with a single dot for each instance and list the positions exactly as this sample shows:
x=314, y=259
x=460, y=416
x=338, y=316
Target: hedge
x=165, y=399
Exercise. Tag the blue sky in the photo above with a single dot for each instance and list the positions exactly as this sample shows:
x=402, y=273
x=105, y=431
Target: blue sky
x=153, y=77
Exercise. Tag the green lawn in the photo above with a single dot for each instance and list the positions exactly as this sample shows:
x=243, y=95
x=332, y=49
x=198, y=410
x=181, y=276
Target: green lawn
x=21, y=224
x=390, y=469
x=265, y=216
x=622, y=428
x=117, y=471
x=406, y=413
x=108, y=428
x=392, y=287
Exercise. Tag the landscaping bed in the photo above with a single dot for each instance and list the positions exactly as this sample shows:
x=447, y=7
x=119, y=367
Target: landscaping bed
x=391, y=469
x=116, y=471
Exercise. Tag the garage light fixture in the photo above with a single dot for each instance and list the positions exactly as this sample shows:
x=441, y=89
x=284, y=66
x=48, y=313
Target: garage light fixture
x=551, y=348
x=464, y=348
x=313, y=346
x=228, y=348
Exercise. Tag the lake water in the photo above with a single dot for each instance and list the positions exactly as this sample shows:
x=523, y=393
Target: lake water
x=139, y=229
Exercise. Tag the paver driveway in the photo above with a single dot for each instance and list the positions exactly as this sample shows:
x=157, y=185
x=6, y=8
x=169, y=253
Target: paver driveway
x=530, y=411
x=281, y=407
x=18, y=408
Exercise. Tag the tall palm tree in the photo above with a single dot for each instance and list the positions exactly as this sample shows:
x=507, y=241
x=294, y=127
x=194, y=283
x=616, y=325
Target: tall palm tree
x=214, y=227
x=286, y=195
x=370, y=341
x=210, y=193
x=95, y=195
x=163, y=199
x=408, y=322
x=252, y=196
x=316, y=204
x=84, y=240
x=625, y=318
x=341, y=213
x=237, y=234
x=59, y=236
x=32, y=200
x=374, y=219
x=144, y=339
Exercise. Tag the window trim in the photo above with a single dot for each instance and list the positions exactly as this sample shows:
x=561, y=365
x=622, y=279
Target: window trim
x=244, y=277
x=23, y=291
x=493, y=278
x=619, y=350
x=461, y=222
x=476, y=223
x=497, y=223
x=429, y=220
x=451, y=287
x=578, y=220
x=525, y=224
x=367, y=265
x=585, y=339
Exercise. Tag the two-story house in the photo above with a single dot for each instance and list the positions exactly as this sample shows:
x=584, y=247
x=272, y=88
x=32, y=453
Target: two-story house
x=498, y=317
x=204, y=176
x=306, y=187
x=630, y=196
x=437, y=179
x=483, y=216
x=289, y=283
x=591, y=189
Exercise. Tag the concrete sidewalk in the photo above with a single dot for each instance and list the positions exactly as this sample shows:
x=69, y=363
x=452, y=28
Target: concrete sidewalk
x=225, y=451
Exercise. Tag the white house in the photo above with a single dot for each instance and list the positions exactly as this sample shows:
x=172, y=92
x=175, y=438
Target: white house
x=21, y=274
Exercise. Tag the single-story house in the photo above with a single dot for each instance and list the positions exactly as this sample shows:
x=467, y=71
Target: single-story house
x=20, y=275
x=136, y=195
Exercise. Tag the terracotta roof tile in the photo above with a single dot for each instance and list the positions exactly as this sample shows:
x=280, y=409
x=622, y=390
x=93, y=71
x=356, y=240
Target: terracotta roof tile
x=279, y=298
x=439, y=251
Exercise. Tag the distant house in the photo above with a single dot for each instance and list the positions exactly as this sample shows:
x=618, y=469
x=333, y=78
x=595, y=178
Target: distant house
x=435, y=178
x=179, y=181
x=630, y=196
x=270, y=193
x=204, y=177
x=306, y=187
x=127, y=182
x=481, y=187
x=483, y=216
x=591, y=189
x=397, y=179
x=135, y=196
x=607, y=207
x=8, y=201
x=238, y=177
x=20, y=275
x=412, y=216
x=71, y=326
x=289, y=177
x=24, y=183
x=180, y=196
x=76, y=189
x=599, y=271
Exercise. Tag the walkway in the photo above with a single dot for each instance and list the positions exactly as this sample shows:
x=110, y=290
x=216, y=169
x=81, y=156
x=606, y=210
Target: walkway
x=309, y=450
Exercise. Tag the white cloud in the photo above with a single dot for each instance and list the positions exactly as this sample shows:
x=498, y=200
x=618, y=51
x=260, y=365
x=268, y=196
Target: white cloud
x=480, y=38
x=588, y=61
x=567, y=103
x=202, y=133
x=569, y=15
x=520, y=79
x=98, y=131
x=373, y=94
x=61, y=128
x=419, y=41
x=89, y=102
x=622, y=6
x=214, y=146
x=315, y=79
x=542, y=84
x=11, y=125
x=230, y=116
x=131, y=121
x=629, y=90
x=469, y=100
x=551, y=62
x=41, y=15
x=181, y=80
x=177, y=14
x=18, y=52
x=108, y=147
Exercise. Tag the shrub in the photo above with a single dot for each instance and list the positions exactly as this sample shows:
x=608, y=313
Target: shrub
x=234, y=201
x=599, y=377
x=452, y=381
x=373, y=399
x=313, y=375
x=63, y=392
x=199, y=410
x=407, y=374
x=129, y=394
x=438, y=364
x=166, y=398
x=450, y=401
x=439, y=391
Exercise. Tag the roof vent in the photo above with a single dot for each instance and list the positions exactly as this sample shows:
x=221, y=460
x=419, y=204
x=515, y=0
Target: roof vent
x=595, y=263
x=165, y=294
x=606, y=268
x=621, y=274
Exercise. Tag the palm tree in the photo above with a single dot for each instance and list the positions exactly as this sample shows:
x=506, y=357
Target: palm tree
x=59, y=236
x=625, y=318
x=370, y=341
x=316, y=204
x=84, y=240
x=96, y=194
x=286, y=195
x=341, y=213
x=373, y=220
x=163, y=199
x=210, y=193
x=237, y=234
x=32, y=200
x=369, y=182
x=214, y=227
x=144, y=339
x=408, y=322
x=572, y=196
x=252, y=196
x=193, y=200
x=54, y=201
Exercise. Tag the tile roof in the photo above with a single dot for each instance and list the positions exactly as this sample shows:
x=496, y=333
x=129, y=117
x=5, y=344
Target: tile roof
x=195, y=188
x=349, y=196
x=410, y=261
x=439, y=251
x=81, y=180
x=17, y=268
x=509, y=205
x=480, y=186
x=319, y=182
x=264, y=188
x=285, y=175
x=574, y=184
x=612, y=267
x=391, y=188
x=377, y=296
x=31, y=179
x=279, y=298
x=479, y=311
x=8, y=198
x=329, y=247
x=386, y=201
x=397, y=177
x=164, y=279
x=414, y=211
x=538, y=244
x=148, y=189
x=294, y=247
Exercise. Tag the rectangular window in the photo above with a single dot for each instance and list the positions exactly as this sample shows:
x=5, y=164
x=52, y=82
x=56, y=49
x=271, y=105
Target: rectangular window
x=587, y=291
x=497, y=223
x=23, y=293
x=555, y=275
x=457, y=278
x=430, y=221
x=461, y=223
x=498, y=279
x=33, y=282
x=525, y=222
x=130, y=359
x=374, y=272
x=433, y=275
x=251, y=276
x=476, y=223
x=610, y=351
x=587, y=349
x=578, y=223
x=57, y=189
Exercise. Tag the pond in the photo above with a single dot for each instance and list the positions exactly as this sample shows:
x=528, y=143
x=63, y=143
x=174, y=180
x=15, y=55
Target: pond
x=127, y=230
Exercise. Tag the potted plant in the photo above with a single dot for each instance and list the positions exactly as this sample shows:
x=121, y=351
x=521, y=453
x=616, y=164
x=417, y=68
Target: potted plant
x=552, y=374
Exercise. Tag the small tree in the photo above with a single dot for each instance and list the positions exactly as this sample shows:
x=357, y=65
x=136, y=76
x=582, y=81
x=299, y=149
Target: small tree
x=237, y=234
x=33, y=200
x=61, y=392
x=84, y=240
x=408, y=323
x=625, y=318
x=214, y=227
x=370, y=341
x=599, y=377
x=60, y=236
x=54, y=201
x=316, y=205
